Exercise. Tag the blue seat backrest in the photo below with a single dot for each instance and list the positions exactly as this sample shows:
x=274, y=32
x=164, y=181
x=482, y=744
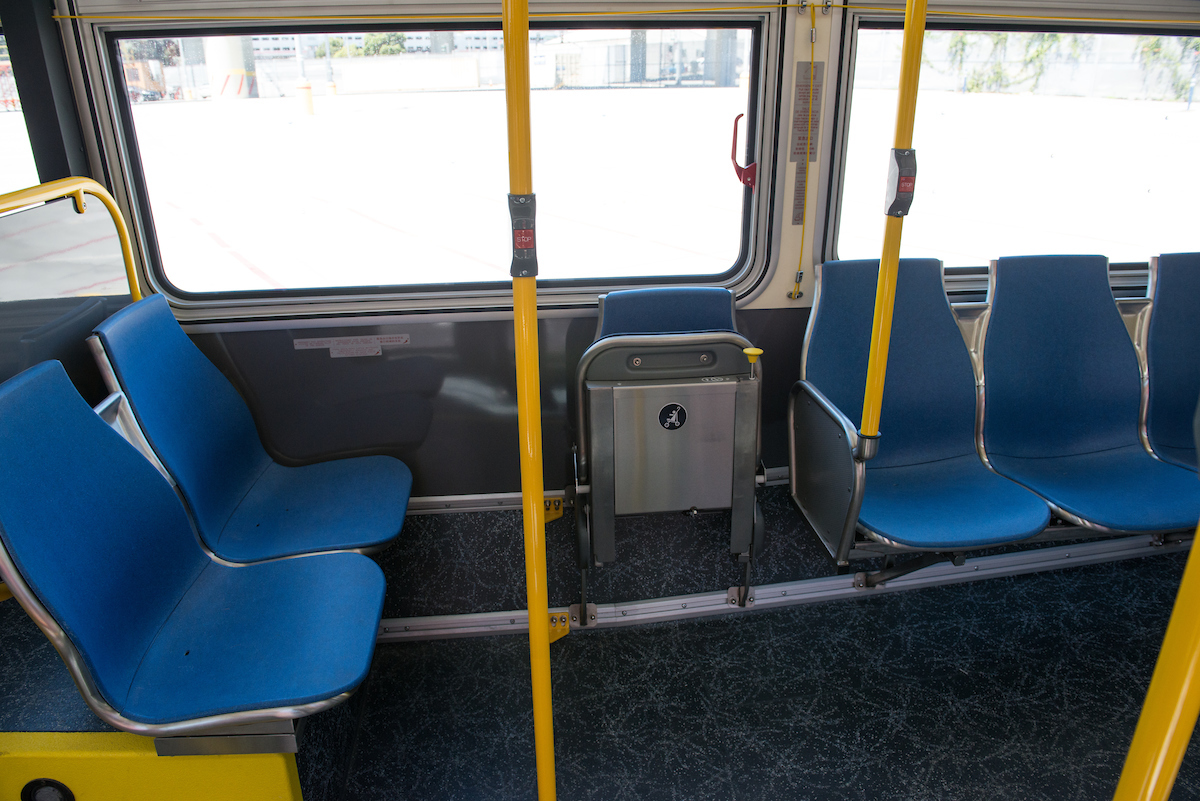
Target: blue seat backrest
x=929, y=394
x=1060, y=373
x=96, y=532
x=1173, y=350
x=667, y=310
x=197, y=422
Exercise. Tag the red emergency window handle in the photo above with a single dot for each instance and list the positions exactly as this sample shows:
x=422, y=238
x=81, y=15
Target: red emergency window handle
x=749, y=173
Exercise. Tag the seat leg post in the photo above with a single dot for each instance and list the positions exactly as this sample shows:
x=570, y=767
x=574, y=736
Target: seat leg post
x=583, y=576
x=744, y=592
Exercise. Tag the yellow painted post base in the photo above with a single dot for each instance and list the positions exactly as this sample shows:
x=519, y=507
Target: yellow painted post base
x=304, y=92
x=110, y=766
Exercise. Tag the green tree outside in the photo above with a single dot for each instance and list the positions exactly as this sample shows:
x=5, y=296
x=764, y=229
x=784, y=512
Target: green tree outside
x=383, y=44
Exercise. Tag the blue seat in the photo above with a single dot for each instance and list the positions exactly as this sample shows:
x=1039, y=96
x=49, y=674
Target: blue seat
x=667, y=418
x=1173, y=358
x=1062, y=393
x=926, y=489
x=674, y=310
x=159, y=637
x=246, y=506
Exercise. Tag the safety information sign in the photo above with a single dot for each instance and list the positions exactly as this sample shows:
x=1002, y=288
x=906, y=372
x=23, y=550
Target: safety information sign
x=804, y=120
x=346, y=347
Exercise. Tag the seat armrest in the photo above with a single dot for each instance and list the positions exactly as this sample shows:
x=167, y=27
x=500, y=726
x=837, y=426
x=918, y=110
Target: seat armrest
x=827, y=480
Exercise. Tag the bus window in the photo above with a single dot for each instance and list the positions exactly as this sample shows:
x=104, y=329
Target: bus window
x=51, y=251
x=380, y=159
x=17, y=170
x=1029, y=142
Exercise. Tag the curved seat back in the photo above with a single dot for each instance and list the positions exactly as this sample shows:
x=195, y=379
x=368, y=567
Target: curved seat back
x=193, y=417
x=1061, y=376
x=1173, y=355
x=929, y=396
x=673, y=310
x=90, y=525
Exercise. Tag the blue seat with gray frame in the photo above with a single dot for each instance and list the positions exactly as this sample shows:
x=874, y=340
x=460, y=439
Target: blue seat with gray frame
x=926, y=489
x=667, y=419
x=1062, y=397
x=160, y=638
x=246, y=506
x=1172, y=349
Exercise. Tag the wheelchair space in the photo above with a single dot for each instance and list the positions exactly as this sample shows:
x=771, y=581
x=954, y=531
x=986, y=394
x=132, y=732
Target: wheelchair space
x=1026, y=687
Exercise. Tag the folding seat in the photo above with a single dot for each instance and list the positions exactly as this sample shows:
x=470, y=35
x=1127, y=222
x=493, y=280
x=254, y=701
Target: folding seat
x=1172, y=350
x=926, y=488
x=668, y=410
x=246, y=506
x=1062, y=396
x=160, y=638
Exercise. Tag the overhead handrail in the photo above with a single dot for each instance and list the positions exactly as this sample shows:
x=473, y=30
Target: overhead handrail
x=529, y=408
x=885, y=293
x=75, y=188
x=1172, y=703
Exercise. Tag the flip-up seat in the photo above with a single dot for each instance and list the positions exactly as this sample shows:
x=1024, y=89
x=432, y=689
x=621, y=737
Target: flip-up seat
x=668, y=404
x=1173, y=358
x=1062, y=392
x=926, y=488
x=246, y=506
x=160, y=638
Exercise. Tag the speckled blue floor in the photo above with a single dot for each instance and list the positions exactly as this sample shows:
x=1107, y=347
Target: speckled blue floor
x=1020, y=688
x=475, y=562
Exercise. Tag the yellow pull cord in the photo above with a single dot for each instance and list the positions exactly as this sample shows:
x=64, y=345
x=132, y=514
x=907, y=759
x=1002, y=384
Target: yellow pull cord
x=812, y=77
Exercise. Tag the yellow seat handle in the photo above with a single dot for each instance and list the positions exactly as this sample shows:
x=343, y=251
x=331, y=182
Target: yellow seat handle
x=752, y=354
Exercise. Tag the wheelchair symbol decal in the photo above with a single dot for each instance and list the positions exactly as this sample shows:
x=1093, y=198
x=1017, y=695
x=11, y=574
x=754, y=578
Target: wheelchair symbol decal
x=672, y=416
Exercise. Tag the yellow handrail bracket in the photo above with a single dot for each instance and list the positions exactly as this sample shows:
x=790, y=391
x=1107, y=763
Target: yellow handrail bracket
x=75, y=188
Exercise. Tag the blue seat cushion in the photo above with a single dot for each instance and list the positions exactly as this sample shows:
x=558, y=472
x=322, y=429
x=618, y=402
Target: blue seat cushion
x=667, y=310
x=246, y=506
x=1124, y=489
x=950, y=504
x=1180, y=457
x=1173, y=356
x=349, y=503
x=277, y=634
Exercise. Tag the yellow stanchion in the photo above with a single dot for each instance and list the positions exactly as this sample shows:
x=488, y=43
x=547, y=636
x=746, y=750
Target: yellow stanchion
x=885, y=292
x=304, y=92
x=515, y=14
x=1172, y=702
x=76, y=188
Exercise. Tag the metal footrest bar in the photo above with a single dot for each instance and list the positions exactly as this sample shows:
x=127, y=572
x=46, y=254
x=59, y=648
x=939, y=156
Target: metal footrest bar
x=792, y=593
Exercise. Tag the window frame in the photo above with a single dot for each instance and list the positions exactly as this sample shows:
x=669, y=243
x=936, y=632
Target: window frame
x=748, y=270
x=855, y=21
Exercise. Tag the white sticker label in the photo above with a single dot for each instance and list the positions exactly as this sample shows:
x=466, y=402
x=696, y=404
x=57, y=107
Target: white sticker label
x=355, y=350
x=344, y=347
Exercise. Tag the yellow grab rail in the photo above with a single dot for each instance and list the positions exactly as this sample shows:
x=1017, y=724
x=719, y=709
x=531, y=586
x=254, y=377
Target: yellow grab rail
x=1172, y=702
x=515, y=15
x=76, y=188
x=885, y=292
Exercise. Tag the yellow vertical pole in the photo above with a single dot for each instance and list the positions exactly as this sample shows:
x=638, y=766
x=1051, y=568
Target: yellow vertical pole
x=515, y=15
x=885, y=292
x=1172, y=702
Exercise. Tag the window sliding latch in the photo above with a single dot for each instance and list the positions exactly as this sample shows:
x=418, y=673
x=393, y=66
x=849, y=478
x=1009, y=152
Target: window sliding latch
x=749, y=173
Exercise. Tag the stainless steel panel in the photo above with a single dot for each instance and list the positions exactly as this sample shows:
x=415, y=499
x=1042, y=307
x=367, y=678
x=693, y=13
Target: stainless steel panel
x=827, y=482
x=660, y=469
x=600, y=400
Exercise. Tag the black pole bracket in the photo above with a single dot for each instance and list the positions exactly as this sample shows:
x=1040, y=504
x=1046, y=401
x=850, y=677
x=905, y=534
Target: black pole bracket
x=522, y=210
